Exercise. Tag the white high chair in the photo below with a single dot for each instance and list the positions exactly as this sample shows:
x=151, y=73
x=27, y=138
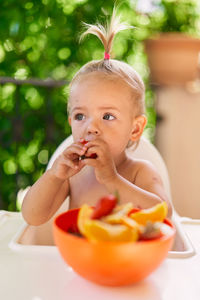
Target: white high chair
x=35, y=236
x=43, y=234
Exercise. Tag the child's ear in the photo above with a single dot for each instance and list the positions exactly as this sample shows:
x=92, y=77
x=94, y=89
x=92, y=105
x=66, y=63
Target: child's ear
x=139, y=124
x=69, y=120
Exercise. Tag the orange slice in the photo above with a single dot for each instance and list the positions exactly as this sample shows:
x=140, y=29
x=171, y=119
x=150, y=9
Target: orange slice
x=156, y=213
x=84, y=214
x=119, y=213
x=96, y=230
x=130, y=222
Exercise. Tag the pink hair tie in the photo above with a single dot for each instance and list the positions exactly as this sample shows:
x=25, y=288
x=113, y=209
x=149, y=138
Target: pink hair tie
x=106, y=55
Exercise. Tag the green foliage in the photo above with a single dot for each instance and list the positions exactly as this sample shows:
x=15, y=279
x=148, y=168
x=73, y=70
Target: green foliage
x=39, y=39
x=174, y=16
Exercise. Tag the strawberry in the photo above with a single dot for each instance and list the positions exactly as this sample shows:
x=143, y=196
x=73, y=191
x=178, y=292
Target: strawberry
x=104, y=206
x=83, y=142
x=133, y=210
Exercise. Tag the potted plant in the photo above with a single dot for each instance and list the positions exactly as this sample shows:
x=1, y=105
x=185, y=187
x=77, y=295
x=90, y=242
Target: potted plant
x=173, y=44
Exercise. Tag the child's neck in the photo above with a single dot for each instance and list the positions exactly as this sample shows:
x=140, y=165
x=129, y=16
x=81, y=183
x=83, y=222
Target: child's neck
x=121, y=161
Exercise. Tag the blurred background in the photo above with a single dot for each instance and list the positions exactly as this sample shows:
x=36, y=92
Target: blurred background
x=39, y=55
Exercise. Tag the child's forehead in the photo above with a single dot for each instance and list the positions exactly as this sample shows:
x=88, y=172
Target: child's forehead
x=92, y=89
x=96, y=81
x=102, y=100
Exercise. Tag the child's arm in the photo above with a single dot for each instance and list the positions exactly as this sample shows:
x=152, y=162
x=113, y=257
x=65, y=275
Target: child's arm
x=44, y=198
x=147, y=189
x=47, y=194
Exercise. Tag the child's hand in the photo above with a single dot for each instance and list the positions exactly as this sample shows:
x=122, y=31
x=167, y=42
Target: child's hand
x=68, y=163
x=103, y=164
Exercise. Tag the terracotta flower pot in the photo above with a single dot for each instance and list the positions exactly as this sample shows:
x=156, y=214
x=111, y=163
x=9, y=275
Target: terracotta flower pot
x=172, y=58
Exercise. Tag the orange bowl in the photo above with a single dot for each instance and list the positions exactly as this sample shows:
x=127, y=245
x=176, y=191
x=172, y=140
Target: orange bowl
x=109, y=263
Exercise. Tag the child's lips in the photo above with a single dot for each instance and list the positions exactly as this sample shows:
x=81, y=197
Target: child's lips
x=83, y=142
x=93, y=156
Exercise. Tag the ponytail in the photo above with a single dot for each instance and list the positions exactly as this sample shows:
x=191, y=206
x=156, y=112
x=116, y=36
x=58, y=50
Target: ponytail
x=106, y=34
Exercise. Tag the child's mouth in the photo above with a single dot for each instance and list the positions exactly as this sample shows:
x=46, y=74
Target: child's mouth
x=92, y=156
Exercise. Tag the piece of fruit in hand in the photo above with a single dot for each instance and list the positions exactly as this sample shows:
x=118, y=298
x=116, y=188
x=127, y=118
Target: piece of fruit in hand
x=104, y=206
x=93, y=155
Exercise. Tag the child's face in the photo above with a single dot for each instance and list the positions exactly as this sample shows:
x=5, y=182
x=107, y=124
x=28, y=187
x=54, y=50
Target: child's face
x=102, y=108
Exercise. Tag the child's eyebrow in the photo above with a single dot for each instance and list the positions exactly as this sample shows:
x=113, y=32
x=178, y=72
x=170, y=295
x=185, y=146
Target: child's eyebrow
x=108, y=108
x=101, y=108
x=78, y=108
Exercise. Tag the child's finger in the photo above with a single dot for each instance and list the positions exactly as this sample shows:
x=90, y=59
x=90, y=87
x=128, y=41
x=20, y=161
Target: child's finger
x=94, y=150
x=69, y=163
x=97, y=146
x=75, y=149
x=90, y=162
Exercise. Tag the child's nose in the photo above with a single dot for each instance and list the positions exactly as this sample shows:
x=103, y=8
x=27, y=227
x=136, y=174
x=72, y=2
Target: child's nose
x=93, y=128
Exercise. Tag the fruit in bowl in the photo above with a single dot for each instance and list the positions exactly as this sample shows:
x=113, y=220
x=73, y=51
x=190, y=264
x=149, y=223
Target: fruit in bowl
x=114, y=244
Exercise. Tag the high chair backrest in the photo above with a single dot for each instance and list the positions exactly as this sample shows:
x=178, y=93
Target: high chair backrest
x=145, y=150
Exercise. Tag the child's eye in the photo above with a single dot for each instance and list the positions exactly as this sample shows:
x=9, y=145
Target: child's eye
x=79, y=117
x=108, y=117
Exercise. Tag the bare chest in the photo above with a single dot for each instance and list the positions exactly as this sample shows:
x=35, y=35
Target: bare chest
x=84, y=188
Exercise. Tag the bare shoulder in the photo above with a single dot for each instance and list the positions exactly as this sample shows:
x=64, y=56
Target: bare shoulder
x=146, y=173
x=148, y=178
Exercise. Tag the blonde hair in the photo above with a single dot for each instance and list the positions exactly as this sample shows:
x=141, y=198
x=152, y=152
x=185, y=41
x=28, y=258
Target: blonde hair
x=110, y=67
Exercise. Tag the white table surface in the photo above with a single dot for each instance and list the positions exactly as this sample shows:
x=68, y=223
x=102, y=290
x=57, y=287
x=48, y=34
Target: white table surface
x=45, y=276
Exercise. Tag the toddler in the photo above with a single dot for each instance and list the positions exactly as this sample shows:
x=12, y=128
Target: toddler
x=107, y=115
